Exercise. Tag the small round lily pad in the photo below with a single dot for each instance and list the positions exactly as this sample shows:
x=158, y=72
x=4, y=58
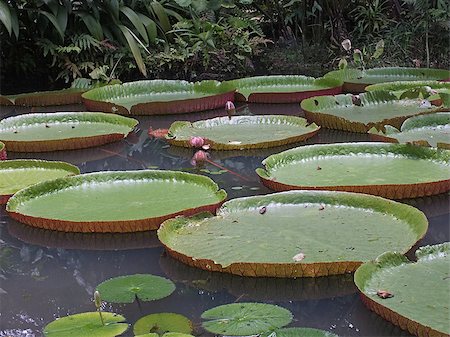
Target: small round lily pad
x=87, y=324
x=243, y=319
x=167, y=334
x=125, y=289
x=298, y=332
x=162, y=323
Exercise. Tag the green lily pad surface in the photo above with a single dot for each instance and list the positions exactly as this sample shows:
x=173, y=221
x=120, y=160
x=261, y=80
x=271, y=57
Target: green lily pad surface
x=63, y=130
x=298, y=332
x=429, y=130
x=18, y=174
x=48, y=98
x=244, y=319
x=122, y=201
x=162, y=323
x=417, y=291
x=159, y=97
x=125, y=289
x=356, y=80
x=87, y=324
x=283, y=89
x=402, y=86
x=309, y=233
x=243, y=132
x=362, y=112
x=360, y=167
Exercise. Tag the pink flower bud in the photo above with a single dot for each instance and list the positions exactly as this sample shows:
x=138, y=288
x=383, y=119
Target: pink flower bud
x=199, y=158
x=196, y=142
x=229, y=106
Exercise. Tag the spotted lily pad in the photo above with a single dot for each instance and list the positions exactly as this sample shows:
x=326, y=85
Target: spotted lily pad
x=48, y=98
x=18, y=174
x=298, y=332
x=283, y=89
x=87, y=324
x=426, y=130
x=424, y=89
x=121, y=201
x=162, y=323
x=371, y=168
x=356, y=80
x=159, y=97
x=361, y=112
x=63, y=130
x=125, y=289
x=244, y=319
x=417, y=290
x=243, y=132
x=309, y=234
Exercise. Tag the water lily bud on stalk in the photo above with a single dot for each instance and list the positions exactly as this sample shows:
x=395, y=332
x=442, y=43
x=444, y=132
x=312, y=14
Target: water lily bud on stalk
x=98, y=305
x=346, y=44
x=199, y=158
x=230, y=109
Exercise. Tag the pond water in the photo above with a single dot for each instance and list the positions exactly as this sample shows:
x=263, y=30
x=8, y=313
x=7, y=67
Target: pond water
x=46, y=274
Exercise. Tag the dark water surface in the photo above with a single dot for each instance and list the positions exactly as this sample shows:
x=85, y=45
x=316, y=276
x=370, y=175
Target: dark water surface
x=46, y=274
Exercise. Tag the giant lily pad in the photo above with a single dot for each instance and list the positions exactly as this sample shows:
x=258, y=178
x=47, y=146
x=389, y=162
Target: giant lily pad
x=122, y=201
x=243, y=132
x=309, y=234
x=63, y=130
x=162, y=323
x=125, y=289
x=2, y=151
x=284, y=89
x=87, y=324
x=362, y=112
x=372, y=168
x=356, y=80
x=159, y=97
x=48, y=98
x=244, y=319
x=426, y=130
x=412, y=295
x=18, y=174
x=298, y=332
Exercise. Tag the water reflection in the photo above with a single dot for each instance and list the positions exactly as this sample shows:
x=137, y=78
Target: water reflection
x=258, y=288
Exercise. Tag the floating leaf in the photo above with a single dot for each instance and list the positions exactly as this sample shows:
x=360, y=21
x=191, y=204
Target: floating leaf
x=360, y=167
x=419, y=289
x=356, y=80
x=243, y=319
x=162, y=323
x=125, y=289
x=333, y=241
x=86, y=324
x=359, y=113
x=283, y=89
x=119, y=201
x=242, y=132
x=426, y=130
x=40, y=132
